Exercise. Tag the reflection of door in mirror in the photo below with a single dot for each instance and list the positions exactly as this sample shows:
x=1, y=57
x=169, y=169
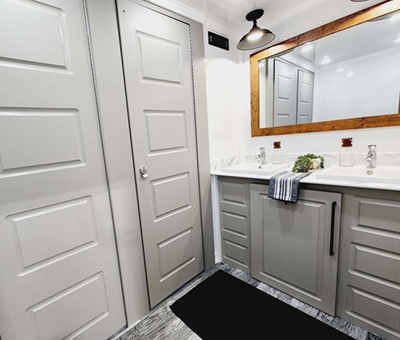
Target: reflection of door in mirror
x=285, y=94
x=288, y=88
x=305, y=97
x=353, y=73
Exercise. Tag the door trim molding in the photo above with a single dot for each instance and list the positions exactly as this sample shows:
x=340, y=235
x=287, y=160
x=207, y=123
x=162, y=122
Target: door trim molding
x=108, y=73
x=107, y=57
x=96, y=95
x=181, y=9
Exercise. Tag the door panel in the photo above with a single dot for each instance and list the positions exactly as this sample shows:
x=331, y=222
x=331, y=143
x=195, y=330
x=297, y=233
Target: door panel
x=58, y=262
x=280, y=243
x=173, y=127
x=39, y=241
x=150, y=49
x=157, y=65
x=305, y=97
x=30, y=130
x=67, y=304
x=285, y=94
x=48, y=36
x=291, y=244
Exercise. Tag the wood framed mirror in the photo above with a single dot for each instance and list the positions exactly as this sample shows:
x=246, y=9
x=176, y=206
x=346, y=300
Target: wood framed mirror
x=343, y=75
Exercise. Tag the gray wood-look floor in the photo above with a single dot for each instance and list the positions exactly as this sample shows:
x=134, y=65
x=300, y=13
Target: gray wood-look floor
x=162, y=324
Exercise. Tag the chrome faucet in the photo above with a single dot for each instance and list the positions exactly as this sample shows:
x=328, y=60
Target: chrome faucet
x=262, y=156
x=371, y=157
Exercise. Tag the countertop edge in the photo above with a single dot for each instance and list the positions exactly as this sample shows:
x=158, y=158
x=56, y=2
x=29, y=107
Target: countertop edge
x=311, y=179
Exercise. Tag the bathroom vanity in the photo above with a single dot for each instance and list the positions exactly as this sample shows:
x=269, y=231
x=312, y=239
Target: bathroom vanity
x=337, y=248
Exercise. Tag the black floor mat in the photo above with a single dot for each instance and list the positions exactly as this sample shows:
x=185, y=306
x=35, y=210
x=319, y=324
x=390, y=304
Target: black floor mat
x=224, y=307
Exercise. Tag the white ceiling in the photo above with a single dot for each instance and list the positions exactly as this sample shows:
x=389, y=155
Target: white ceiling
x=358, y=41
x=303, y=13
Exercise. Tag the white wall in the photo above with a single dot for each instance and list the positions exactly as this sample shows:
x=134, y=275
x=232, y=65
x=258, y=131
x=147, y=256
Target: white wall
x=366, y=86
x=226, y=77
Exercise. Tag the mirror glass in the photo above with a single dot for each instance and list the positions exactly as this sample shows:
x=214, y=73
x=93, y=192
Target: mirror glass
x=350, y=74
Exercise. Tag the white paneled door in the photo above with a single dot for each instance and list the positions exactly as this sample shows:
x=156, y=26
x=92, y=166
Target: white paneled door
x=305, y=97
x=157, y=61
x=285, y=94
x=59, y=275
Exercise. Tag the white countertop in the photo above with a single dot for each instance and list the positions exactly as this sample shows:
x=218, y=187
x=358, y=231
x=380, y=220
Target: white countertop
x=312, y=179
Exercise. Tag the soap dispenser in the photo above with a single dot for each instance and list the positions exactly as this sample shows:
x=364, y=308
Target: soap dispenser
x=277, y=153
x=346, y=158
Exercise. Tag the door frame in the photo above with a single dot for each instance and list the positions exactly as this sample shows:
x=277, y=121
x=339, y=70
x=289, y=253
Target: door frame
x=106, y=49
x=107, y=64
x=201, y=119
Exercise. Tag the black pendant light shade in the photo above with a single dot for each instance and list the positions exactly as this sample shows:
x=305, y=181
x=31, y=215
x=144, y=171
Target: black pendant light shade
x=257, y=36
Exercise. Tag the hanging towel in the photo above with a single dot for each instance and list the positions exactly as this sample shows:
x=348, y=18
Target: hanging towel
x=285, y=186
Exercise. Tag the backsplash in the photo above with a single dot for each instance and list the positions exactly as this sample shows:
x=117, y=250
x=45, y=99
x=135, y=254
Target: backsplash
x=290, y=158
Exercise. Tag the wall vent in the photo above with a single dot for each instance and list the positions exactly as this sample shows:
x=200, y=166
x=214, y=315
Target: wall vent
x=218, y=41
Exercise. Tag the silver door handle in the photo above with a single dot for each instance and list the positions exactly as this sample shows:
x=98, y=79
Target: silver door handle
x=143, y=172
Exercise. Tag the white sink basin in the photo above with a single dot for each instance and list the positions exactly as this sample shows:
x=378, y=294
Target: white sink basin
x=382, y=174
x=255, y=168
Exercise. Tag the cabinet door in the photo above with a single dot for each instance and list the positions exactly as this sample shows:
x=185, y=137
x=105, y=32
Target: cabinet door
x=295, y=246
x=369, y=278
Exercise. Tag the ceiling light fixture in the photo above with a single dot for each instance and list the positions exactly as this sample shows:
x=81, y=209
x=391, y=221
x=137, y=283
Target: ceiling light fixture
x=325, y=60
x=307, y=48
x=257, y=36
x=395, y=17
x=392, y=17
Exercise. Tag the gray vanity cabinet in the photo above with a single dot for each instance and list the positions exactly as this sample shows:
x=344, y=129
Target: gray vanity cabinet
x=234, y=207
x=295, y=246
x=369, y=277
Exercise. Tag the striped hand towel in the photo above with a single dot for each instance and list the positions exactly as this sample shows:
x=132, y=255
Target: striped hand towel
x=285, y=186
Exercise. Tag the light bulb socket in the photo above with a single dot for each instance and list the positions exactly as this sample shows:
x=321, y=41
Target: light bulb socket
x=255, y=15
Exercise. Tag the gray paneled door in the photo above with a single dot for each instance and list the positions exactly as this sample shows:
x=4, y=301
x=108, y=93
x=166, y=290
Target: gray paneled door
x=294, y=247
x=59, y=275
x=157, y=64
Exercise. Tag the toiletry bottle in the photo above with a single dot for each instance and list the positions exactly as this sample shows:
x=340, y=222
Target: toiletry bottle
x=346, y=157
x=277, y=153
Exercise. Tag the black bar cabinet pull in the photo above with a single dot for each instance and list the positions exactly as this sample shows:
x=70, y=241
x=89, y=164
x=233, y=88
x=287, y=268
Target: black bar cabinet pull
x=331, y=252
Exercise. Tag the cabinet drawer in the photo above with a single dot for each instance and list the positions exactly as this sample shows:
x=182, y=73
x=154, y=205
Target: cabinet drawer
x=364, y=305
x=234, y=208
x=369, y=281
x=234, y=223
x=236, y=254
x=234, y=211
x=234, y=196
x=234, y=192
